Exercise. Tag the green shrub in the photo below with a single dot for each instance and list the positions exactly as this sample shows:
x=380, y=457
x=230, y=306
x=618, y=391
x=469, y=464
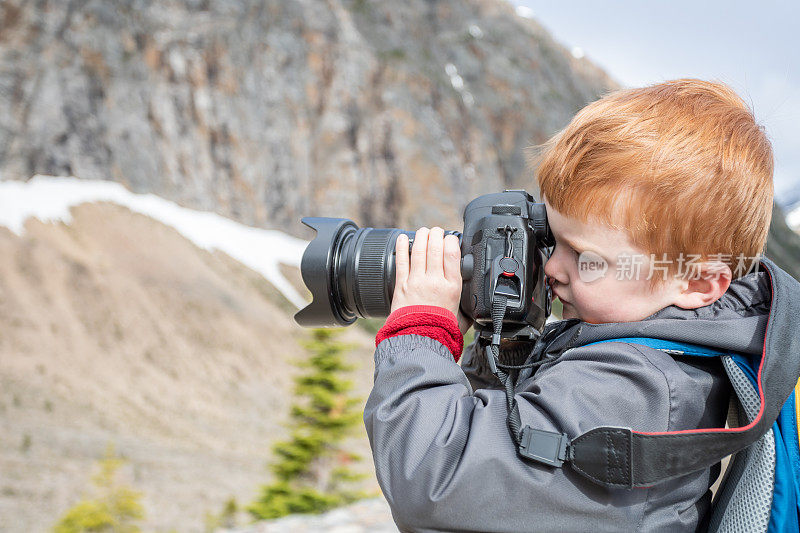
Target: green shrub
x=225, y=519
x=115, y=508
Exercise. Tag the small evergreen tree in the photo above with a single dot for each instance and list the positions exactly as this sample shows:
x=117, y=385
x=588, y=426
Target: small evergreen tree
x=312, y=471
x=115, y=509
x=225, y=519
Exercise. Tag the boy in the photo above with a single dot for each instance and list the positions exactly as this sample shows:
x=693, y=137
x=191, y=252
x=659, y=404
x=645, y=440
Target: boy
x=670, y=186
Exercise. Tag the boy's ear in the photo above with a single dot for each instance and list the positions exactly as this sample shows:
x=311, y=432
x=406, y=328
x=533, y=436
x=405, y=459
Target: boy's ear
x=705, y=285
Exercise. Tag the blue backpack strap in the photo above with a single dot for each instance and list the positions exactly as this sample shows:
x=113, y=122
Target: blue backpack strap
x=672, y=347
x=785, y=514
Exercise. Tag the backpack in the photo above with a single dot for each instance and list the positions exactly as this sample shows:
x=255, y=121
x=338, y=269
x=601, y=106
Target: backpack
x=760, y=491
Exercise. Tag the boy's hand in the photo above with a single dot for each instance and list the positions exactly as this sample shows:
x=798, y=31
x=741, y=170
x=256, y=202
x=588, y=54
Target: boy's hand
x=433, y=274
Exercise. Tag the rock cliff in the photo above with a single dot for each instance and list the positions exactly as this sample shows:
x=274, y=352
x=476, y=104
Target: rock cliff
x=392, y=113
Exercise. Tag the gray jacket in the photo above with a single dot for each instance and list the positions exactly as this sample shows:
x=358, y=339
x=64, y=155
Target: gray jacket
x=446, y=462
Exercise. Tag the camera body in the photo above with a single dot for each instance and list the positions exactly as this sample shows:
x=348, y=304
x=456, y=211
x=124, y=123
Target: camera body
x=350, y=271
x=504, y=246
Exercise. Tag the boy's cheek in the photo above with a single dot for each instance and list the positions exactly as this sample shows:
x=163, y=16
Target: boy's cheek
x=567, y=311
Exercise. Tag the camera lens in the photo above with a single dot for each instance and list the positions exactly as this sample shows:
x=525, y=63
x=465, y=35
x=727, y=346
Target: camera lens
x=350, y=272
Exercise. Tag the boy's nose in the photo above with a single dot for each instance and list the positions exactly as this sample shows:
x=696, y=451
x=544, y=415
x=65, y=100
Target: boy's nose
x=554, y=274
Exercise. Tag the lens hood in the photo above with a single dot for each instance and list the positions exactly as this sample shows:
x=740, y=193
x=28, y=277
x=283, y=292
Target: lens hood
x=318, y=267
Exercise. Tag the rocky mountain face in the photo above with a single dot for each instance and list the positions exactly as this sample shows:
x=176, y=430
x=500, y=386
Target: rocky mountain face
x=391, y=113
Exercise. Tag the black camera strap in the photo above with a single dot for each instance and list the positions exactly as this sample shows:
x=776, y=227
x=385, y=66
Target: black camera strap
x=507, y=374
x=506, y=378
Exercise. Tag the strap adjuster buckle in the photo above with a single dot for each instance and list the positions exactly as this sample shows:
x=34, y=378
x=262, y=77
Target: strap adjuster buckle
x=546, y=447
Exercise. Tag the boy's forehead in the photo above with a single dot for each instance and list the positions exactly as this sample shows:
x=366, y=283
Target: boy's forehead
x=589, y=234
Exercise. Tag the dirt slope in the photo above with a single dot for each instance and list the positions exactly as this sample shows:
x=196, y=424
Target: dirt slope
x=115, y=329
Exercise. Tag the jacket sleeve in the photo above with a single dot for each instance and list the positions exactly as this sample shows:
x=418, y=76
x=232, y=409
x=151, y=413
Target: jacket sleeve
x=446, y=462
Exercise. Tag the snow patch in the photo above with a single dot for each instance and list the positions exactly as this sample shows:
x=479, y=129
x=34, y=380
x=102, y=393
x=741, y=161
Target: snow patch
x=49, y=199
x=525, y=12
x=793, y=219
x=577, y=52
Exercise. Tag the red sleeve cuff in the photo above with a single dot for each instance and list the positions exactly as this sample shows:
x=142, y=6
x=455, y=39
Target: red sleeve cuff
x=427, y=320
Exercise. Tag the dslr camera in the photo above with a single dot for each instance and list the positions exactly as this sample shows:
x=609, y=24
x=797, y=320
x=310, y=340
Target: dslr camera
x=350, y=271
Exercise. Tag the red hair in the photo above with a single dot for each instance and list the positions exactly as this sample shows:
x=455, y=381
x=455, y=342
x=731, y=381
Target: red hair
x=682, y=166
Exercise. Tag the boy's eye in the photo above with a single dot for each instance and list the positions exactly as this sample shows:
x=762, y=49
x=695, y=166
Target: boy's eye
x=572, y=251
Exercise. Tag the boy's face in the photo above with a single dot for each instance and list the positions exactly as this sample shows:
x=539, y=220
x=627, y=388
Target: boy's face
x=618, y=292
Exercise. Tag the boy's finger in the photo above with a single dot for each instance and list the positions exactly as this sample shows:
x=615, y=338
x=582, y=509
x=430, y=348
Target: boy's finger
x=452, y=258
x=435, y=250
x=418, y=252
x=401, y=260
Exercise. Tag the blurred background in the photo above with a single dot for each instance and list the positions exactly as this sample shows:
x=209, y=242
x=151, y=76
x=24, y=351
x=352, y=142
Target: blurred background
x=155, y=160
